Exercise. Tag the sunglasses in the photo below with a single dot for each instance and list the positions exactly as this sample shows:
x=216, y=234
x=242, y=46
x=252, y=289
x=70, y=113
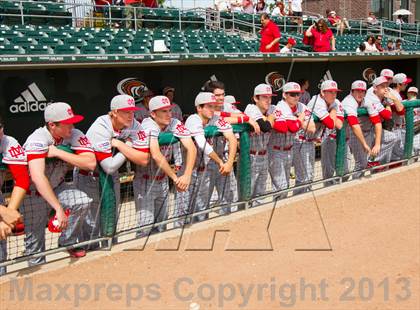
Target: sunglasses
x=294, y=94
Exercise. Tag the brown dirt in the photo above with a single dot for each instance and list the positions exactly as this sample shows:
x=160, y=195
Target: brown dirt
x=373, y=227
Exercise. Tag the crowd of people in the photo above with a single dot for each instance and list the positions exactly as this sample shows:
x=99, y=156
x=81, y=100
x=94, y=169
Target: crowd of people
x=375, y=44
x=283, y=136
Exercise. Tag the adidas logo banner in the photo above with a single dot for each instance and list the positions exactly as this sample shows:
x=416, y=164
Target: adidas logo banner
x=30, y=100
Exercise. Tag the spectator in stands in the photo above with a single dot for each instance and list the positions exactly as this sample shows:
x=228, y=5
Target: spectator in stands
x=398, y=45
x=370, y=45
x=371, y=19
x=235, y=6
x=295, y=9
x=278, y=9
x=390, y=46
x=361, y=48
x=288, y=47
x=261, y=7
x=399, y=20
x=378, y=43
x=270, y=35
x=323, y=38
x=248, y=6
x=339, y=23
x=133, y=8
x=222, y=5
x=305, y=96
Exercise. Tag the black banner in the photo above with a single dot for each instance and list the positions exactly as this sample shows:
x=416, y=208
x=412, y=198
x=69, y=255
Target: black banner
x=25, y=93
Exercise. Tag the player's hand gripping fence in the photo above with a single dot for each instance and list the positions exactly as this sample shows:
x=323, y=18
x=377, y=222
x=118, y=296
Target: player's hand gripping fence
x=117, y=216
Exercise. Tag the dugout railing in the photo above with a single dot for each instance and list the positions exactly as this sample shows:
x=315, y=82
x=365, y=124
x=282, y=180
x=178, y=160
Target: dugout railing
x=119, y=222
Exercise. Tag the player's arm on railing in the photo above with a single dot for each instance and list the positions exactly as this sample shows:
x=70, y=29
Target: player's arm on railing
x=226, y=167
x=84, y=161
x=139, y=157
x=188, y=144
x=43, y=186
x=203, y=145
x=378, y=136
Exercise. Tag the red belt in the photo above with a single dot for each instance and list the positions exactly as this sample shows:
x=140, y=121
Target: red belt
x=89, y=173
x=157, y=178
x=399, y=125
x=303, y=138
x=286, y=148
x=258, y=153
x=332, y=135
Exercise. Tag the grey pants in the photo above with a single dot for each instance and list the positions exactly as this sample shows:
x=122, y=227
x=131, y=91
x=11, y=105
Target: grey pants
x=303, y=161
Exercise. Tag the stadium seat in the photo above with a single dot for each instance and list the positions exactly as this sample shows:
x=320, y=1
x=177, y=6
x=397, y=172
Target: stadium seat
x=24, y=41
x=11, y=49
x=92, y=49
x=78, y=42
x=66, y=50
x=115, y=49
x=59, y=35
x=39, y=50
x=137, y=49
x=123, y=42
x=99, y=42
x=10, y=34
x=49, y=41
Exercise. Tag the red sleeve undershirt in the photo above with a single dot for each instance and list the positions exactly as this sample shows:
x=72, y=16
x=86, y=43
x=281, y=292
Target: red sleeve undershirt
x=375, y=119
x=36, y=156
x=280, y=126
x=294, y=125
x=386, y=114
x=352, y=120
x=20, y=175
x=328, y=122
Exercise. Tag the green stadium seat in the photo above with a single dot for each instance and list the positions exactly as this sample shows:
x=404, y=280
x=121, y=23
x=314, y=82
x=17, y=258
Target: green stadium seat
x=78, y=42
x=10, y=34
x=22, y=27
x=59, y=35
x=99, y=42
x=138, y=50
x=104, y=35
x=114, y=49
x=24, y=41
x=178, y=49
x=39, y=50
x=85, y=35
x=121, y=42
x=66, y=50
x=146, y=44
x=9, y=7
x=125, y=35
x=231, y=49
x=92, y=49
x=4, y=41
x=33, y=8
x=11, y=49
x=49, y=41
x=35, y=34
x=197, y=49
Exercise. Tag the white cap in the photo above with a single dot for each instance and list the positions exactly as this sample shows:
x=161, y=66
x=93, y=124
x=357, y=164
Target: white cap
x=359, y=85
x=263, y=90
x=159, y=103
x=413, y=89
x=123, y=102
x=205, y=98
x=379, y=80
x=292, y=87
x=401, y=78
x=333, y=12
x=388, y=73
x=61, y=112
x=329, y=85
x=231, y=100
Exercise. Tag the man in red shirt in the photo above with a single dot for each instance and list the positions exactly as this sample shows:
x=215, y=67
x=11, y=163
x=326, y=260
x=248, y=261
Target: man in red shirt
x=270, y=35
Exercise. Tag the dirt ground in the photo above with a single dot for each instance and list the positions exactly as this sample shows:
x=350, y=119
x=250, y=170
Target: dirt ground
x=355, y=246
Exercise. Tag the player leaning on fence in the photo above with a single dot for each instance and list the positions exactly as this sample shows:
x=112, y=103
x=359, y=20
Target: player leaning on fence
x=199, y=193
x=14, y=158
x=151, y=186
x=296, y=116
x=329, y=110
x=118, y=131
x=364, y=135
x=49, y=188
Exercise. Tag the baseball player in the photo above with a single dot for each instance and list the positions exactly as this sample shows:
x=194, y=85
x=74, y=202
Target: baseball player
x=116, y=131
x=296, y=116
x=49, y=187
x=143, y=106
x=199, y=191
x=151, y=186
x=263, y=113
x=412, y=95
x=377, y=99
x=329, y=110
x=399, y=85
x=15, y=159
x=364, y=138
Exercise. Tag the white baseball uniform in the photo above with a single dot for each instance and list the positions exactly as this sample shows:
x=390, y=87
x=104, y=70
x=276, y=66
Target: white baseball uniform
x=100, y=134
x=399, y=129
x=258, y=152
x=35, y=208
x=151, y=186
x=199, y=191
x=388, y=138
x=13, y=154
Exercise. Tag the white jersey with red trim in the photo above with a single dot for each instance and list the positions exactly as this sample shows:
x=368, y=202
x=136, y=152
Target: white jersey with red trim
x=350, y=106
x=195, y=125
x=38, y=143
x=219, y=142
x=259, y=142
x=153, y=130
x=13, y=154
x=283, y=112
x=141, y=114
x=101, y=132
